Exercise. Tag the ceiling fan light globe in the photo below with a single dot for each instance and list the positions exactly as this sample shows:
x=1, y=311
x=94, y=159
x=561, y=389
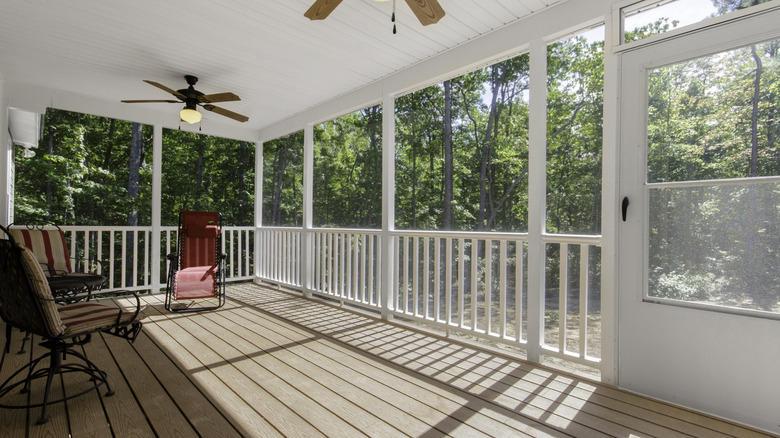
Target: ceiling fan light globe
x=190, y=116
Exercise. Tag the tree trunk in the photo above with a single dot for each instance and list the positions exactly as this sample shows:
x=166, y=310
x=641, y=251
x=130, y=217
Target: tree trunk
x=492, y=220
x=242, y=189
x=752, y=258
x=134, y=178
x=110, y=148
x=199, y=176
x=281, y=159
x=754, y=118
x=414, y=184
x=448, y=162
x=486, y=149
x=50, y=151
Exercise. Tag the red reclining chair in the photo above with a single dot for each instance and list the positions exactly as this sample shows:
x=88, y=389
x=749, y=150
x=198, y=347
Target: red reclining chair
x=196, y=278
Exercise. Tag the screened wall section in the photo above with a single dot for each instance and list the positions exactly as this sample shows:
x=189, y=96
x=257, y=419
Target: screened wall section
x=455, y=253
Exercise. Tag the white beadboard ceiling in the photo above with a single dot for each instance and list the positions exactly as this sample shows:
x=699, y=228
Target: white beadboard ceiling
x=279, y=62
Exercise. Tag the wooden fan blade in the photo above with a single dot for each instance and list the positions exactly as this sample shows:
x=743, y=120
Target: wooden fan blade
x=151, y=101
x=321, y=9
x=427, y=11
x=226, y=113
x=170, y=90
x=218, y=97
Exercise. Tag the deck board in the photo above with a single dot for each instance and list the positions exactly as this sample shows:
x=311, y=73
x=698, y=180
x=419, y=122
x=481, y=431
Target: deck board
x=58, y=422
x=162, y=411
x=271, y=363
x=205, y=419
x=315, y=401
x=13, y=422
x=367, y=395
x=89, y=419
x=122, y=411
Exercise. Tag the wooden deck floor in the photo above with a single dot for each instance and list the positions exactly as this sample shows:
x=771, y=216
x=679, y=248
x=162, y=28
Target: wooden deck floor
x=272, y=364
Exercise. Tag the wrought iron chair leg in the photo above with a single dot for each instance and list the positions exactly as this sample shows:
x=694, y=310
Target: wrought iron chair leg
x=55, y=362
x=30, y=372
x=24, y=340
x=7, y=338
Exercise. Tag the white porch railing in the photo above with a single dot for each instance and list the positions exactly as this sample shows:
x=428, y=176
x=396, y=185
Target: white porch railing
x=472, y=283
x=280, y=256
x=126, y=252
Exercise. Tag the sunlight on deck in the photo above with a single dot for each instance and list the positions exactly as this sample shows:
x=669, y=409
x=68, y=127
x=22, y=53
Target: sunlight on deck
x=270, y=363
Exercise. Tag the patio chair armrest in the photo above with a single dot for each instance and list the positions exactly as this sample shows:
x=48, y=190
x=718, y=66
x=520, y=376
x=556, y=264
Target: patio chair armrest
x=223, y=255
x=122, y=293
x=172, y=257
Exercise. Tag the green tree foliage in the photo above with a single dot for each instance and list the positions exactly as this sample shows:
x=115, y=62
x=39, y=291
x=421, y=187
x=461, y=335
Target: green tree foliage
x=715, y=118
x=575, y=84
x=80, y=174
x=348, y=171
x=283, y=181
x=725, y=6
x=488, y=130
x=86, y=172
x=207, y=173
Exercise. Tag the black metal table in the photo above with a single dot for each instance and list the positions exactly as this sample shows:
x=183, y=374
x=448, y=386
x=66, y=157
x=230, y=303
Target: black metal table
x=75, y=287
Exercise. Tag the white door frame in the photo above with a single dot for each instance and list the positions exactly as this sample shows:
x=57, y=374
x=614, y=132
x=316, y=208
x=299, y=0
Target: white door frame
x=716, y=362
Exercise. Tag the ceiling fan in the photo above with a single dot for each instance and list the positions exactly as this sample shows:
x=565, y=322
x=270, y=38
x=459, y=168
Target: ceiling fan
x=191, y=98
x=427, y=11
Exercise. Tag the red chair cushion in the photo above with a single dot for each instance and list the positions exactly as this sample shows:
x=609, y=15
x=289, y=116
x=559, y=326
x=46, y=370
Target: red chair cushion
x=197, y=282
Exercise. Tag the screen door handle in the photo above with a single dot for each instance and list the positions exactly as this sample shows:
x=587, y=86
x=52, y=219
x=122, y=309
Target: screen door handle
x=624, y=207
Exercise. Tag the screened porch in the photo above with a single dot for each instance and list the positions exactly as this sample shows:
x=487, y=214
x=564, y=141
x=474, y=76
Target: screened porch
x=584, y=191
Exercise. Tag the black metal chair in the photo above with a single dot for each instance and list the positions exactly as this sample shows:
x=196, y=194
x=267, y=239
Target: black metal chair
x=26, y=303
x=68, y=279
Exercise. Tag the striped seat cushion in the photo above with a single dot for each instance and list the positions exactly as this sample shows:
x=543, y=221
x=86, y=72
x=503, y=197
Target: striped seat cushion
x=40, y=290
x=48, y=245
x=92, y=315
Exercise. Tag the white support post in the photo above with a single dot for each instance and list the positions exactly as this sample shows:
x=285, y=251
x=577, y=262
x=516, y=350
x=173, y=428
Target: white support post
x=610, y=198
x=157, y=141
x=258, y=209
x=388, y=206
x=6, y=162
x=537, y=191
x=307, y=243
